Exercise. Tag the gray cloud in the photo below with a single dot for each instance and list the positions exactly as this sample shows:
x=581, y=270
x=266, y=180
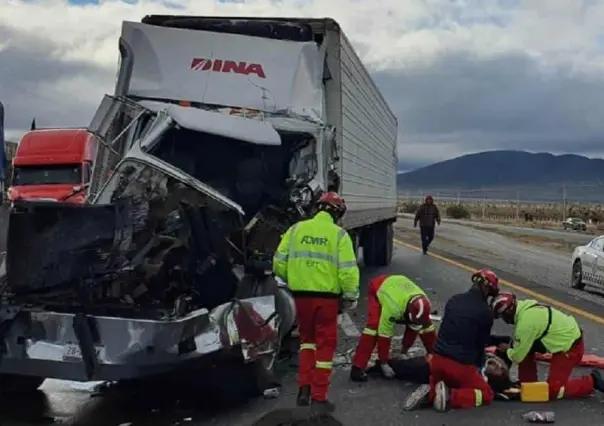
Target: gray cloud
x=467, y=104
x=457, y=104
x=31, y=76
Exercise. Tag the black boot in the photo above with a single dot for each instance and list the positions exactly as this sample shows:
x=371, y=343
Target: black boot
x=303, y=399
x=598, y=380
x=320, y=409
x=358, y=375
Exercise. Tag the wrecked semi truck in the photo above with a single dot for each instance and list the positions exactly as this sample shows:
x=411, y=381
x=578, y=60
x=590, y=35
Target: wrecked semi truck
x=221, y=133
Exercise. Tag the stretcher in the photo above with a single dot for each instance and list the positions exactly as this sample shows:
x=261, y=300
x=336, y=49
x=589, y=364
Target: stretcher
x=588, y=360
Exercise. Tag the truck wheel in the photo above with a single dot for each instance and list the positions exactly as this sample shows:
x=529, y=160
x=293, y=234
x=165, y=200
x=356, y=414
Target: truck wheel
x=379, y=245
x=15, y=384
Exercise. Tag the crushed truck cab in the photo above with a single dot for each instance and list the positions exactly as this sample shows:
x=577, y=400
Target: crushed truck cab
x=220, y=135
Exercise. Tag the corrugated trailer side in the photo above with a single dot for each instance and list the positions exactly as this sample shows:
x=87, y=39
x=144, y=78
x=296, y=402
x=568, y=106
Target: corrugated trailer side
x=368, y=141
x=366, y=136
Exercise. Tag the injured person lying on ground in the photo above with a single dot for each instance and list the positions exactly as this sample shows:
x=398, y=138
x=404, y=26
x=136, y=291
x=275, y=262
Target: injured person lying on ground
x=417, y=370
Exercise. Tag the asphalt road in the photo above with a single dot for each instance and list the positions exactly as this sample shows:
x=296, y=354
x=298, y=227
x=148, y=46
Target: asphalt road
x=544, y=268
x=575, y=237
x=378, y=401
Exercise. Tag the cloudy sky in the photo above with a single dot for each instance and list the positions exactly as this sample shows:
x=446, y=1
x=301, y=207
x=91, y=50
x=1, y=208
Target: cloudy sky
x=462, y=75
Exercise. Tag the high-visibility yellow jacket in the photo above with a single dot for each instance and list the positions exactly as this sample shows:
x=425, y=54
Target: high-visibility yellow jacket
x=552, y=330
x=315, y=257
x=394, y=295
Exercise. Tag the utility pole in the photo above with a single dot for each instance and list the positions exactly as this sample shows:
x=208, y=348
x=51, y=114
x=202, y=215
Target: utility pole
x=517, y=204
x=484, y=204
x=563, y=203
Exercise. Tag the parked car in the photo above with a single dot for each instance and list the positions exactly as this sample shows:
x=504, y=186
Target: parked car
x=588, y=265
x=575, y=224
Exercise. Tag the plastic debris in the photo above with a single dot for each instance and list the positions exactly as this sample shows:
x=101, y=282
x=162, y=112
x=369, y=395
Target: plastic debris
x=540, y=417
x=86, y=386
x=272, y=393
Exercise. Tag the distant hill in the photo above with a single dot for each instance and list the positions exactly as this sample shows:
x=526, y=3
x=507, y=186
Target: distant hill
x=495, y=169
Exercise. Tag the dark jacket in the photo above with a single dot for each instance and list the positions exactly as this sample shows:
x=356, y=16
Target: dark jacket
x=465, y=330
x=427, y=215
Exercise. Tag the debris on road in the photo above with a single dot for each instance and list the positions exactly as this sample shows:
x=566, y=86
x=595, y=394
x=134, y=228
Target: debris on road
x=540, y=417
x=271, y=393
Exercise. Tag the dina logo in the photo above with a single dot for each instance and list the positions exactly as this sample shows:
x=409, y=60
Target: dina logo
x=228, y=67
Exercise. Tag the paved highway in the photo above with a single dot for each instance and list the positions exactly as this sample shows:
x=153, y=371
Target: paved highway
x=578, y=238
x=442, y=274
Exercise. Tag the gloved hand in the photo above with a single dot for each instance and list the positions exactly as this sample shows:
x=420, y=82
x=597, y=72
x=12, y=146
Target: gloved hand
x=387, y=371
x=350, y=305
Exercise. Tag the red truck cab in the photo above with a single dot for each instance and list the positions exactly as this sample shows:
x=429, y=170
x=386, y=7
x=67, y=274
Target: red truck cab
x=54, y=165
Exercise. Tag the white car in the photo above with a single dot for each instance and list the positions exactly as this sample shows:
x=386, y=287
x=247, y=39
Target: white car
x=588, y=264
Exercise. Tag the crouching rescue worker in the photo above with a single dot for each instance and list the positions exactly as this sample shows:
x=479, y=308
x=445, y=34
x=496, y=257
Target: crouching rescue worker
x=392, y=299
x=459, y=353
x=316, y=259
x=542, y=329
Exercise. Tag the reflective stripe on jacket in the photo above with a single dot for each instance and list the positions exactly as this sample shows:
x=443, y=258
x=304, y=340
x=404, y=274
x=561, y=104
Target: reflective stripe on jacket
x=394, y=295
x=531, y=320
x=316, y=257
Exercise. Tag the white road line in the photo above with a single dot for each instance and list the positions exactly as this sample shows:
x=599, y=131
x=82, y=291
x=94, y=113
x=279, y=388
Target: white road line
x=348, y=326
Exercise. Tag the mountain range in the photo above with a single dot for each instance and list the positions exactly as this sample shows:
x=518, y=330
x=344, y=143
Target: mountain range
x=494, y=169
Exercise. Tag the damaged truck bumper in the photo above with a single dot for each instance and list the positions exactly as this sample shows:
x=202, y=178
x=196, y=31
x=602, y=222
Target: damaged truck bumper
x=79, y=347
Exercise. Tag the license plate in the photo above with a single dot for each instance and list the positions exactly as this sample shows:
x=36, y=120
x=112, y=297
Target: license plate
x=72, y=352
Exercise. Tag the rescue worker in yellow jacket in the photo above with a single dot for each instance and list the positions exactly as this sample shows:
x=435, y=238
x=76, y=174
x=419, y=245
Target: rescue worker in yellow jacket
x=316, y=259
x=542, y=329
x=392, y=299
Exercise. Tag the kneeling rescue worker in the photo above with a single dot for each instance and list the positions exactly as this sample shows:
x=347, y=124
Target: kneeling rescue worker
x=459, y=353
x=316, y=259
x=392, y=299
x=542, y=329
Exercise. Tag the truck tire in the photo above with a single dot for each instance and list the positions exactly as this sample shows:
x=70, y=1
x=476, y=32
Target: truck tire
x=14, y=384
x=379, y=244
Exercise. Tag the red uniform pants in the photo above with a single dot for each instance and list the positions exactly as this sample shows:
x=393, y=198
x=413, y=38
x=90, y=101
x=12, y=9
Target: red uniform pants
x=468, y=386
x=318, y=326
x=560, y=369
x=369, y=337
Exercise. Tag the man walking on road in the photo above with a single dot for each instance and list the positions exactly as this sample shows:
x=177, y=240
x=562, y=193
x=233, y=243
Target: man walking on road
x=428, y=216
x=542, y=329
x=316, y=259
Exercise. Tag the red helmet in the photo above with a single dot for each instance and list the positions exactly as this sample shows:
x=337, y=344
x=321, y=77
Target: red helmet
x=419, y=309
x=487, y=279
x=330, y=201
x=502, y=303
